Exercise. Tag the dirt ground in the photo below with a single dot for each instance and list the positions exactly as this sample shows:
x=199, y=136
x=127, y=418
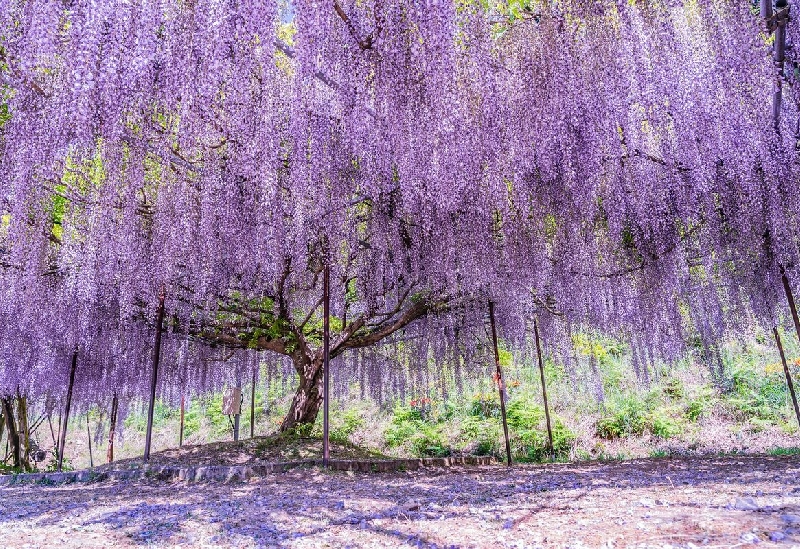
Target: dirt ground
x=747, y=501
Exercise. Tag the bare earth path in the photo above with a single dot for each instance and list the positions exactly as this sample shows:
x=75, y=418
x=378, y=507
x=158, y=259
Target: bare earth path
x=704, y=502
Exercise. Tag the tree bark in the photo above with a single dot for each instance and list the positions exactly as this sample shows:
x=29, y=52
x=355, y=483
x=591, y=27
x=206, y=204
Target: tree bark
x=11, y=429
x=23, y=428
x=308, y=398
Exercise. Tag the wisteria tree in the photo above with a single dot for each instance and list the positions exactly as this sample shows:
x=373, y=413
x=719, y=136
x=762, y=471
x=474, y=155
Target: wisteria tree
x=594, y=163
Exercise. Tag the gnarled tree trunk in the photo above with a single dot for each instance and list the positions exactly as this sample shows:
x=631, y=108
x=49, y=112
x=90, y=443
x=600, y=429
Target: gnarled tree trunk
x=24, y=431
x=11, y=429
x=308, y=398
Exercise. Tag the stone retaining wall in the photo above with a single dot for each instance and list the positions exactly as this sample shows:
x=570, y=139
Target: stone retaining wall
x=238, y=473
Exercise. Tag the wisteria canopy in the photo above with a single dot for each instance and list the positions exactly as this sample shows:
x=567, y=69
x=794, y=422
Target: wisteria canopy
x=604, y=164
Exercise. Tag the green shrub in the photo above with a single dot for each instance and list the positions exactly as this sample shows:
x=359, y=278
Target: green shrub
x=403, y=413
x=52, y=463
x=664, y=426
x=303, y=430
x=485, y=405
x=191, y=421
x=628, y=417
x=757, y=396
x=700, y=404
x=633, y=417
x=523, y=415
x=448, y=411
x=757, y=424
x=412, y=426
x=428, y=441
x=528, y=433
x=481, y=436
x=162, y=413
x=533, y=444
x=696, y=409
x=351, y=420
x=397, y=435
x=136, y=422
x=674, y=389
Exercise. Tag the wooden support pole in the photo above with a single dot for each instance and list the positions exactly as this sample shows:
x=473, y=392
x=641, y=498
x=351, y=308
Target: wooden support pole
x=183, y=412
x=788, y=374
x=500, y=382
x=58, y=440
x=544, y=385
x=52, y=431
x=2, y=424
x=154, y=378
x=326, y=336
x=766, y=9
x=253, y=404
x=787, y=289
x=112, y=428
x=238, y=415
x=89, y=436
x=62, y=437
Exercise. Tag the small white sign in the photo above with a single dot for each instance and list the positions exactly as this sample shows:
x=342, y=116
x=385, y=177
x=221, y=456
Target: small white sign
x=232, y=401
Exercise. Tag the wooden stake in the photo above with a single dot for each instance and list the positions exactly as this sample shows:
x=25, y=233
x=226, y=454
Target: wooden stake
x=112, y=428
x=253, y=404
x=788, y=375
x=52, y=431
x=154, y=378
x=59, y=433
x=238, y=415
x=89, y=435
x=62, y=437
x=183, y=411
x=326, y=336
x=500, y=382
x=544, y=386
x=787, y=289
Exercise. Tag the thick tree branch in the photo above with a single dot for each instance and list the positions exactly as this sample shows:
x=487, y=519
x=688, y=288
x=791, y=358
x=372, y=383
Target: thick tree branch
x=415, y=312
x=364, y=44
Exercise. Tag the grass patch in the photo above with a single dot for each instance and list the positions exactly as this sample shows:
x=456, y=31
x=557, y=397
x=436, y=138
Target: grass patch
x=780, y=451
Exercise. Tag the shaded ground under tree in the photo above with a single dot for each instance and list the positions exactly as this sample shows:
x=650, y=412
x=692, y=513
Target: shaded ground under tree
x=723, y=501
